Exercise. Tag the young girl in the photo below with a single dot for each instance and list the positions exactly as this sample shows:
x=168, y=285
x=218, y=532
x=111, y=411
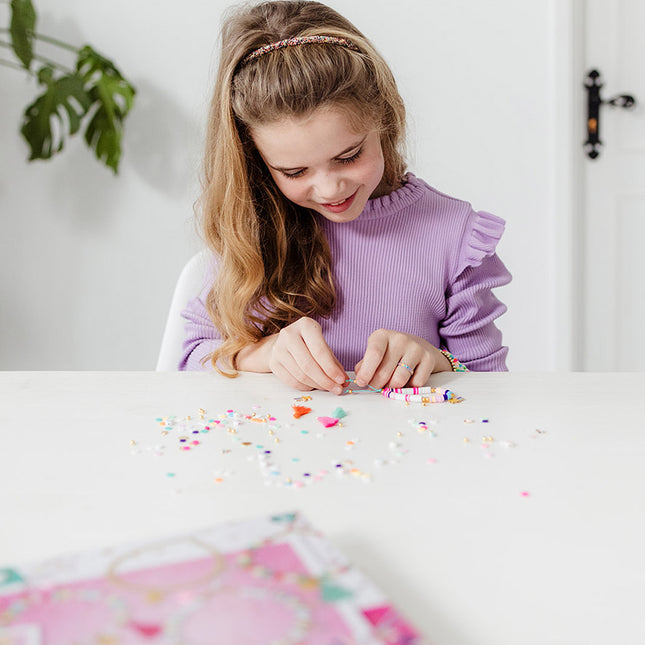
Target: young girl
x=328, y=256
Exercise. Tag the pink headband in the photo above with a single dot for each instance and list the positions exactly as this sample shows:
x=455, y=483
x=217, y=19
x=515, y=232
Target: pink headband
x=301, y=40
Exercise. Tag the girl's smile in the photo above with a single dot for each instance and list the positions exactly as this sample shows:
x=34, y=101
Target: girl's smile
x=341, y=206
x=321, y=162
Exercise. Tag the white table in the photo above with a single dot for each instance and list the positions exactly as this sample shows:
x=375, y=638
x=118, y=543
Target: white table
x=537, y=537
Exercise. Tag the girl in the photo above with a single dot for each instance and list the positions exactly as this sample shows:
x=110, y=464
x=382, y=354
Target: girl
x=328, y=256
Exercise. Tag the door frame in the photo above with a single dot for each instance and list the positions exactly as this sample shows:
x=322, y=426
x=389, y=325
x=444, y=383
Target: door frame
x=566, y=73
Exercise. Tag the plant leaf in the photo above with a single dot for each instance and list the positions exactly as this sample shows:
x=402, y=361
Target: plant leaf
x=113, y=96
x=63, y=95
x=22, y=26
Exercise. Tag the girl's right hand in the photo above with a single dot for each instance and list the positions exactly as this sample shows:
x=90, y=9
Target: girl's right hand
x=299, y=356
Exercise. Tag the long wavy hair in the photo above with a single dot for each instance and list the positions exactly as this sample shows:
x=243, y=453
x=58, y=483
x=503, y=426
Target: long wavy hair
x=273, y=261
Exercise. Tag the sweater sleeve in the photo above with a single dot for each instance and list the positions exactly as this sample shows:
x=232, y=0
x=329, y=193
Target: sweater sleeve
x=201, y=337
x=468, y=331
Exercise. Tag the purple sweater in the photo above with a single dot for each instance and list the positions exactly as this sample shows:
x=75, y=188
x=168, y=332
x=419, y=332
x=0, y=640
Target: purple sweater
x=415, y=261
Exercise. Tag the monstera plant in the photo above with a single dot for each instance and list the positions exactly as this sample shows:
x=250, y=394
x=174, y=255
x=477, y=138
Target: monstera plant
x=94, y=97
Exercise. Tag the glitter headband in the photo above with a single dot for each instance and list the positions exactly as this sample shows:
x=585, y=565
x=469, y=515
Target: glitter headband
x=300, y=40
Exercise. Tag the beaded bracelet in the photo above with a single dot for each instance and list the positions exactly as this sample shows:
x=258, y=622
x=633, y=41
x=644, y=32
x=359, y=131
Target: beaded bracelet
x=420, y=395
x=457, y=365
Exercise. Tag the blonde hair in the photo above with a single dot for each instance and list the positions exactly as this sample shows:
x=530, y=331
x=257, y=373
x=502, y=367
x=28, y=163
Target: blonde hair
x=274, y=264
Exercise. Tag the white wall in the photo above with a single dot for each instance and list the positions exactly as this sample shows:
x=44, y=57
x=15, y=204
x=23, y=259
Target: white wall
x=89, y=260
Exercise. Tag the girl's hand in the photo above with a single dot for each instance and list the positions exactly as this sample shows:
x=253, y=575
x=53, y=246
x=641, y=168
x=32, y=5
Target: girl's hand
x=300, y=357
x=386, y=354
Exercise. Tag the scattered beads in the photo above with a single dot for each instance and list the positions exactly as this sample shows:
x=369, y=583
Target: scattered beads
x=233, y=422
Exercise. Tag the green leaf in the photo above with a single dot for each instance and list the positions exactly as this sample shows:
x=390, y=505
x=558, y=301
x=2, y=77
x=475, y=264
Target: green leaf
x=113, y=96
x=23, y=23
x=65, y=95
x=46, y=75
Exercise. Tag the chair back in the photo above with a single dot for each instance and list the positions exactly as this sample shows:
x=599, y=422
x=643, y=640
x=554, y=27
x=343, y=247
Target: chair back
x=189, y=285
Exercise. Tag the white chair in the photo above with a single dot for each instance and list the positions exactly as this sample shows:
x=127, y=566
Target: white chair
x=190, y=283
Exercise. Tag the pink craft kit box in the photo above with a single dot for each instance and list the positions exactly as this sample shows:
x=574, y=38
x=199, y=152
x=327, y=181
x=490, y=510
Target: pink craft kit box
x=273, y=580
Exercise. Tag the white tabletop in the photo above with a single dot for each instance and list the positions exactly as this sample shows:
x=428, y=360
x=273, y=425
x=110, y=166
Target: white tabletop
x=531, y=532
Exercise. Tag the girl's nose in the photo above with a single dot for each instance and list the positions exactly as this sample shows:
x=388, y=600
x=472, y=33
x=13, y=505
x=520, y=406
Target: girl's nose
x=328, y=188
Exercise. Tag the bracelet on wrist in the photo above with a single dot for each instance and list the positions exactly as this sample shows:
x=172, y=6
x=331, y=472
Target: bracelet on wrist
x=457, y=365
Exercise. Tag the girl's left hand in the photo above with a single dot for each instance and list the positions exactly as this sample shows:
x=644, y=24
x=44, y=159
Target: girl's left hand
x=389, y=351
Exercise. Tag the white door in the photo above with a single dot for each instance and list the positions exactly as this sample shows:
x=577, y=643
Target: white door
x=614, y=193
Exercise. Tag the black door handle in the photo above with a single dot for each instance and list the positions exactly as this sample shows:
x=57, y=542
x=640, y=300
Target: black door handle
x=593, y=85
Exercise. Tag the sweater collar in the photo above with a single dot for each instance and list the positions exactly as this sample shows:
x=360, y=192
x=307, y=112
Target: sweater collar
x=411, y=191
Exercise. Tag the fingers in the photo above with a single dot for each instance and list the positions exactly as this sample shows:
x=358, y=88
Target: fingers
x=394, y=359
x=377, y=345
x=302, y=358
x=421, y=373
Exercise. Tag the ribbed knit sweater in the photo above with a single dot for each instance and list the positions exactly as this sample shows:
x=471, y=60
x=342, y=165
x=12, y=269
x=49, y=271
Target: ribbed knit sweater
x=415, y=261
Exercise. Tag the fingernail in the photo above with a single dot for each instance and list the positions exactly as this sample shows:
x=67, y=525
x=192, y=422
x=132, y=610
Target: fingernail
x=361, y=382
x=341, y=380
x=337, y=390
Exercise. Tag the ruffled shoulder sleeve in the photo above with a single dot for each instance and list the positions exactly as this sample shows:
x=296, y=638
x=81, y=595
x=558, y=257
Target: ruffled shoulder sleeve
x=468, y=330
x=481, y=235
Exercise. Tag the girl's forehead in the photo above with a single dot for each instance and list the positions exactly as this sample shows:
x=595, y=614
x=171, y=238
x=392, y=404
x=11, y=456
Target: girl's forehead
x=325, y=132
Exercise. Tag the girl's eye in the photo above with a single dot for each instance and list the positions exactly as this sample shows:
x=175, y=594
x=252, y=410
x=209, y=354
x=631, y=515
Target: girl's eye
x=353, y=158
x=293, y=175
x=343, y=160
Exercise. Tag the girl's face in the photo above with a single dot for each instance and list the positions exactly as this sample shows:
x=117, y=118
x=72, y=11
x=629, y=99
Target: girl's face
x=321, y=162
